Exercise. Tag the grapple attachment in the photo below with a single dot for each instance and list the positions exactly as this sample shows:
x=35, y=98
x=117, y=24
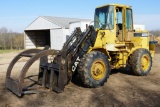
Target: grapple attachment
x=16, y=86
x=56, y=74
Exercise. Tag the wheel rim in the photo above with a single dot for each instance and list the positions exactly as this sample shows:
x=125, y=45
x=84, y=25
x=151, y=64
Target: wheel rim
x=98, y=70
x=145, y=60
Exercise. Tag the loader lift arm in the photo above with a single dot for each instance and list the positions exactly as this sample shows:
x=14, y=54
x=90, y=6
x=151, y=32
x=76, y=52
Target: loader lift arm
x=54, y=75
x=58, y=73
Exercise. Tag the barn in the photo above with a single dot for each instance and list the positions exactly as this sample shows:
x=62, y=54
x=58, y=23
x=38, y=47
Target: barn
x=51, y=31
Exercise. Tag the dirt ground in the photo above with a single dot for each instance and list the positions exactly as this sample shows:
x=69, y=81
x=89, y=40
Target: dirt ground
x=122, y=89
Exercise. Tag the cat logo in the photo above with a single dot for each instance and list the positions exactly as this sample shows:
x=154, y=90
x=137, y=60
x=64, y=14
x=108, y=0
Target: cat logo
x=75, y=64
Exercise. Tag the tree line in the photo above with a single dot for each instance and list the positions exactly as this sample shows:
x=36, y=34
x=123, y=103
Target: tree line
x=155, y=32
x=11, y=40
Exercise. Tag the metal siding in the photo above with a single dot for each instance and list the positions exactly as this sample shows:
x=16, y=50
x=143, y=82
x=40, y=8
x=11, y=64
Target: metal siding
x=73, y=25
x=65, y=34
x=28, y=41
x=81, y=24
x=25, y=40
x=58, y=38
x=84, y=23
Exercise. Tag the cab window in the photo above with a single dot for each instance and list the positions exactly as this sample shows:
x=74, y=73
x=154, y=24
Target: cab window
x=110, y=18
x=104, y=18
x=129, y=22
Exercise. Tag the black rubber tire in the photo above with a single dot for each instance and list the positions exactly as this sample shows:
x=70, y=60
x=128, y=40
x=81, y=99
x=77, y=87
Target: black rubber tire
x=85, y=65
x=135, y=62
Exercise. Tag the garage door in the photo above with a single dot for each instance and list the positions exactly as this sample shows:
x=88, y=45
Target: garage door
x=37, y=39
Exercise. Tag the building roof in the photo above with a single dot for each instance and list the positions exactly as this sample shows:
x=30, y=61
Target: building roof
x=50, y=22
x=63, y=21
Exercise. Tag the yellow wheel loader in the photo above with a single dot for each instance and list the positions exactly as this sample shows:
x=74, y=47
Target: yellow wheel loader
x=111, y=43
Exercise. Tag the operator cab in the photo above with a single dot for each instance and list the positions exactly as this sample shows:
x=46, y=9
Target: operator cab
x=118, y=19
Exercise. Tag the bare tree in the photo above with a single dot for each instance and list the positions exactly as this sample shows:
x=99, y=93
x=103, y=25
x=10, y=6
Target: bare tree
x=18, y=41
x=3, y=36
x=10, y=40
x=155, y=32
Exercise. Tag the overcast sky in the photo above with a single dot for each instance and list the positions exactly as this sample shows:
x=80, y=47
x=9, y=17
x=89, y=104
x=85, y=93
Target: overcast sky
x=16, y=15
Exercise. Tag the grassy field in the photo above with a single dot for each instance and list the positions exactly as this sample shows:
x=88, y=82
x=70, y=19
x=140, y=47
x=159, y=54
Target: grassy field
x=7, y=51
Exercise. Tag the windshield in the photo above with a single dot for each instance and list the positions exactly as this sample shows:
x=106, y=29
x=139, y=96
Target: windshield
x=104, y=18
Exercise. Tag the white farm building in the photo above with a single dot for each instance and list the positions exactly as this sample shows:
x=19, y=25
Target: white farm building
x=139, y=27
x=52, y=31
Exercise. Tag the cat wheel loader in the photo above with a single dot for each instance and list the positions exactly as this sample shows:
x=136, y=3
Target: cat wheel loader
x=112, y=43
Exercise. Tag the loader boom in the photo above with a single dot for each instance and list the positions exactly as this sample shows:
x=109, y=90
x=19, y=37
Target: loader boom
x=68, y=58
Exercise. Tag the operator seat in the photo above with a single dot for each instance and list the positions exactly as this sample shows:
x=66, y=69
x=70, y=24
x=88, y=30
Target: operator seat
x=119, y=32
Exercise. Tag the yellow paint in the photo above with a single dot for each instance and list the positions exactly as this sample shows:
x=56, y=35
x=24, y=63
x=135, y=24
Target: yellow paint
x=145, y=62
x=142, y=42
x=117, y=51
x=122, y=60
x=120, y=5
x=98, y=70
x=152, y=49
x=104, y=37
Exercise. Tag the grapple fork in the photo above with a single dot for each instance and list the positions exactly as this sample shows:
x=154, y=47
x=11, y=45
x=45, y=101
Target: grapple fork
x=54, y=75
x=16, y=86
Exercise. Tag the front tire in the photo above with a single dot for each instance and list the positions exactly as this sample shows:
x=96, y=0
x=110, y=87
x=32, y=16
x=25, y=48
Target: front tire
x=141, y=62
x=94, y=69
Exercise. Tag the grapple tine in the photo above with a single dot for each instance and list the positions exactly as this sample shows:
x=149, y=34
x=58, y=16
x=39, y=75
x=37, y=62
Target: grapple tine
x=13, y=86
x=15, y=60
x=51, y=80
x=44, y=77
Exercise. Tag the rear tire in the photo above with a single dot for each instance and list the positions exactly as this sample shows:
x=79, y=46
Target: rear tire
x=141, y=62
x=94, y=69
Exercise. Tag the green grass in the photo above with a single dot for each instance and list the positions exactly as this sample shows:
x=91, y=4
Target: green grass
x=7, y=51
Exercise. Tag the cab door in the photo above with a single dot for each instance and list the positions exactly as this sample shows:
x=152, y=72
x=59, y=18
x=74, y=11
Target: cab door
x=124, y=24
x=120, y=24
x=128, y=25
